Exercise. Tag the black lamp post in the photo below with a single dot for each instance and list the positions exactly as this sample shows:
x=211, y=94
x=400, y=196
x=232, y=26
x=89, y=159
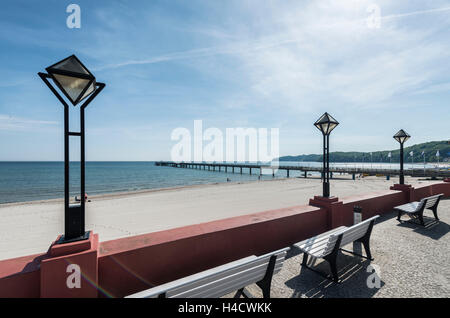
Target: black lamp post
x=401, y=137
x=77, y=83
x=326, y=123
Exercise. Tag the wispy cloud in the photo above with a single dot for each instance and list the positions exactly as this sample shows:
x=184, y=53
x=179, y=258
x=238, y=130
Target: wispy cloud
x=17, y=123
x=241, y=47
x=420, y=12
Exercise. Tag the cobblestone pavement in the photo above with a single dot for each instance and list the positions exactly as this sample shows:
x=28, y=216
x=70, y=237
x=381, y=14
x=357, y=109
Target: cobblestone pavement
x=411, y=261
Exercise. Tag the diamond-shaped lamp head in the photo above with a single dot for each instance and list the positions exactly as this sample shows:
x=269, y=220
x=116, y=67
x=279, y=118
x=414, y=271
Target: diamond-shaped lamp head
x=401, y=136
x=326, y=123
x=72, y=78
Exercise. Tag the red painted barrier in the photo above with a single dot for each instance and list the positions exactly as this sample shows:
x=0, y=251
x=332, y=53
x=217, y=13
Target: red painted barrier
x=132, y=264
x=135, y=263
x=372, y=204
x=20, y=277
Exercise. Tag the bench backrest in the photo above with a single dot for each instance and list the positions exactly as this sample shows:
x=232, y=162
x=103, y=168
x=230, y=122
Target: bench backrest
x=430, y=202
x=220, y=280
x=353, y=233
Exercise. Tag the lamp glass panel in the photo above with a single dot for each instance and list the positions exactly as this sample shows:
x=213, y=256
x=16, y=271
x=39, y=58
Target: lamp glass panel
x=89, y=91
x=331, y=127
x=72, y=65
x=318, y=126
x=401, y=136
x=324, y=128
x=71, y=85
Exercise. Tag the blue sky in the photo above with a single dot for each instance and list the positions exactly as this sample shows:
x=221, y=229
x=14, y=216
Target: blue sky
x=263, y=64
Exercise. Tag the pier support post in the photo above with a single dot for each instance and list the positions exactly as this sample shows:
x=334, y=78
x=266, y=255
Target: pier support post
x=306, y=174
x=226, y=169
x=241, y=170
x=250, y=171
x=287, y=173
x=233, y=169
x=353, y=176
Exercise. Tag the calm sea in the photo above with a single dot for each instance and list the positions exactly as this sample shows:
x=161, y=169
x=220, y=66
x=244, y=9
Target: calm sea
x=28, y=181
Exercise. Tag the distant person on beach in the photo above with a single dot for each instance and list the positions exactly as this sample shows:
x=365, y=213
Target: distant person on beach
x=77, y=199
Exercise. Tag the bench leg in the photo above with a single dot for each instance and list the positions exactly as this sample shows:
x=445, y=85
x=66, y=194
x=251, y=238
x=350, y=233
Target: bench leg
x=266, y=290
x=420, y=216
x=435, y=213
x=332, y=260
x=305, y=259
x=266, y=282
x=399, y=215
x=366, y=244
x=243, y=292
x=365, y=240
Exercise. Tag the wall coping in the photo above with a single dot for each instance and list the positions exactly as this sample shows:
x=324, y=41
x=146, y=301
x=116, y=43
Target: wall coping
x=127, y=244
x=20, y=265
x=367, y=196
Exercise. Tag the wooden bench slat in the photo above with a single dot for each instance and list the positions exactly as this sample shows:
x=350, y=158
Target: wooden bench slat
x=161, y=288
x=260, y=265
x=324, y=235
x=354, y=234
x=236, y=280
x=409, y=207
x=220, y=280
x=220, y=290
x=326, y=241
x=225, y=286
x=231, y=280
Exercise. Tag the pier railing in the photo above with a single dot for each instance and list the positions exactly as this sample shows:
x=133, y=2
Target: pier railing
x=238, y=168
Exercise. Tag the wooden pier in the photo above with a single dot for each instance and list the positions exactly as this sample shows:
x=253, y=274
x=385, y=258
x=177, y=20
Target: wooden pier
x=258, y=169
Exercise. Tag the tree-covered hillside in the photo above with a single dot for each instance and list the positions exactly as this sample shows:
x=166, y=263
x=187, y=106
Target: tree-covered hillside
x=430, y=149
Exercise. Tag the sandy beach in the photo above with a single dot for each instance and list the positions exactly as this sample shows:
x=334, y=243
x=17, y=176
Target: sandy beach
x=29, y=228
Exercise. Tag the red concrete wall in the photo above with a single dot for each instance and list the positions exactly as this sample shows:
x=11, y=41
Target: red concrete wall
x=132, y=264
x=20, y=277
x=427, y=190
x=372, y=204
x=443, y=187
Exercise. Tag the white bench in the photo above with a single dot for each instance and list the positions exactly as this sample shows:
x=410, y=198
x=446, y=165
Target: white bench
x=328, y=244
x=222, y=280
x=415, y=209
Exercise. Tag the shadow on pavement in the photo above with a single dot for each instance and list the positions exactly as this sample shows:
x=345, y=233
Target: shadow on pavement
x=354, y=272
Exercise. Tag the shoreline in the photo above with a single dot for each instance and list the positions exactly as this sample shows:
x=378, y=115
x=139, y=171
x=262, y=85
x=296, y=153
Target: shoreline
x=113, y=195
x=121, y=194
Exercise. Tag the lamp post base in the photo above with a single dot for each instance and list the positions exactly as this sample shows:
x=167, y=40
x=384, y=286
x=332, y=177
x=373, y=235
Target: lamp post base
x=407, y=189
x=333, y=207
x=70, y=270
x=63, y=240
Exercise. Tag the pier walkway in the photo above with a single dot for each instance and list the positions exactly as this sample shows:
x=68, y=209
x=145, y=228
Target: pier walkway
x=258, y=169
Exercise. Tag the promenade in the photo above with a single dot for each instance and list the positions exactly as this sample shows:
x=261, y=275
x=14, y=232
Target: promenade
x=412, y=261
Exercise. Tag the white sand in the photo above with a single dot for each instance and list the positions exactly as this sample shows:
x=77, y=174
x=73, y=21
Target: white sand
x=29, y=228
